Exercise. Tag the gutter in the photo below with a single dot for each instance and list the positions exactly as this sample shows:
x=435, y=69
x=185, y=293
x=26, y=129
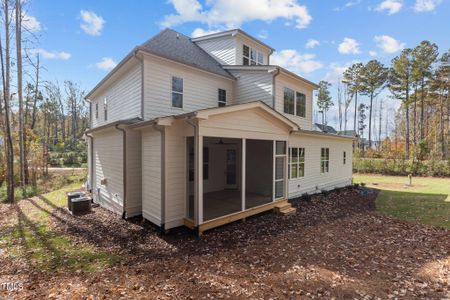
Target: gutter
x=124, y=170
x=162, y=130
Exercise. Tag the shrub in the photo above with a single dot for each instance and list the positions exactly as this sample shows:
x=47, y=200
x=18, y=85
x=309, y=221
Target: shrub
x=401, y=167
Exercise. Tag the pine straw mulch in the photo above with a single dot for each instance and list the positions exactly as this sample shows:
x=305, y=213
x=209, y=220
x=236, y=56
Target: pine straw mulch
x=335, y=246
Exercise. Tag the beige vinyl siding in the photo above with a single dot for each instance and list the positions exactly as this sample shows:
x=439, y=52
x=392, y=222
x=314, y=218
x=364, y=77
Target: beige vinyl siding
x=253, y=86
x=134, y=173
x=151, y=175
x=123, y=98
x=176, y=172
x=108, y=165
x=251, y=123
x=339, y=174
x=282, y=81
x=222, y=49
x=200, y=89
x=242, y=40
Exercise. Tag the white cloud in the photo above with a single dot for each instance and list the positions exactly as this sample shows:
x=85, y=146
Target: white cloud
x=388, y=44
x=348, y=5
x=51, y=54
x=91, y=23
x=30, y=23
x=349, y=46
x=107, y=63
x=312, y=43
x=391, y=6
x=233, y=13
x=263, y=34
x=426, y=5
x=373, y=53
x=335, y=71
x=295, y=61
x=201, y=32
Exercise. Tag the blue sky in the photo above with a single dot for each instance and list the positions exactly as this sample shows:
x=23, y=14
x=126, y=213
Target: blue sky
x=81, y=40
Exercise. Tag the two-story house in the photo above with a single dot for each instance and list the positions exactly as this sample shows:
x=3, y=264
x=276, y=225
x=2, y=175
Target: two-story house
x=204, y=131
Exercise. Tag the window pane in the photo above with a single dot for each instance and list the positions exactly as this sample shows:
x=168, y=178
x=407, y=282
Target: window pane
x=279, y=168
x=177, y=84
x=293, y=170
x=301, y=170
x=301, y=103
x=177, y=100
x=253, y=54
x=246, y=51
x=279, y=189
x=246, y=61
x=280, y=148
x=293, y=155
x=301, y=154
x=260, y=58
x=289, y=101
x=222, y=97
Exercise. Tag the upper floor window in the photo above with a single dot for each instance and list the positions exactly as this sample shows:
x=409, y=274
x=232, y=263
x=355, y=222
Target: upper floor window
x=294, y=103
x=289, y=100
x=345, y=158
x=105, y=108
x=222, y=97
x=324, y=160
x=300, y=105
x=177, y=92
x=296, y=162
x=96, y=110
x=251, y=56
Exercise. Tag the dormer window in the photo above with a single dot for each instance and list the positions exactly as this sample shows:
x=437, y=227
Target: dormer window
x=251, y=56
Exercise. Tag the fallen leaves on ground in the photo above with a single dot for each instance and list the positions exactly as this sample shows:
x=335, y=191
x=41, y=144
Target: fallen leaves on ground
x=335, y=246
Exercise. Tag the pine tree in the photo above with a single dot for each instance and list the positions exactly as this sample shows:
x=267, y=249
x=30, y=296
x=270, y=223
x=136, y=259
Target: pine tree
x=352, y=78
x=324, y=102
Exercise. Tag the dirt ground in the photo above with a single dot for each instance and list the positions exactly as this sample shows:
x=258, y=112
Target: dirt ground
x=335, y=246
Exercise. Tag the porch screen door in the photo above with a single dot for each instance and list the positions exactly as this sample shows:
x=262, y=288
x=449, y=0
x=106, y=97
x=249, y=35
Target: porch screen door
x=231, y=168
x=280, y=169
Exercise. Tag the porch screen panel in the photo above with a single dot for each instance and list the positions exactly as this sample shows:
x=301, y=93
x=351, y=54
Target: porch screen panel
x=280, y=162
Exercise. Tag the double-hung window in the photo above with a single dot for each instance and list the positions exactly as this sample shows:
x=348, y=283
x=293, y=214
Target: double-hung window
x=294, y=103
x=177, y=92
x=300, y=104
x=222, y=97
x=96, y=110
x=251, y=56
x=289, y=100
x=280, y=160
x=105, y=108
x=296, y=163
x=324, y=160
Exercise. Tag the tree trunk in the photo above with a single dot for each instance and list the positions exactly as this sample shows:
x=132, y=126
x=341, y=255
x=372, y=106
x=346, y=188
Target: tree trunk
x=6, y=96
x=19, y=93
x=356, y=112
x=370, y=121
x=415, y=117
x=422, y=127
x=36, y=94
x=379, y=125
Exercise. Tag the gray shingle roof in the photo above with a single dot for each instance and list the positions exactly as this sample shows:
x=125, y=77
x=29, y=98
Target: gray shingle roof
x=326, y=128
x=178, y=47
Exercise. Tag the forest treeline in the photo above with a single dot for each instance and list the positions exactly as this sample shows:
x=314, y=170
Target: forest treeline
x=419, y=78
x=41, y=122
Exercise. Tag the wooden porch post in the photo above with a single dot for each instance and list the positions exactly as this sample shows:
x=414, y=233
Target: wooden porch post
x=200, y=179
x=244, y=158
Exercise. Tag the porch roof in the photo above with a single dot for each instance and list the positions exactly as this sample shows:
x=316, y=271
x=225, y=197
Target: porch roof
x=204, y=114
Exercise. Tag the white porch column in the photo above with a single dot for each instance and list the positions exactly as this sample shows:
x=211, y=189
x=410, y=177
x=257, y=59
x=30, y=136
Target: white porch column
x=199, y=167
x=244, y=158
x=273, y=175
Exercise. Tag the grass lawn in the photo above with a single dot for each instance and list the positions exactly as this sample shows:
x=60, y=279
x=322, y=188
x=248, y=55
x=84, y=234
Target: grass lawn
x=427, y=201
x=26, y=235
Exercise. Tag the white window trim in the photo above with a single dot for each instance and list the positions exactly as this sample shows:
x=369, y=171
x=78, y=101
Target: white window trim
x=325, y=159
x=249, y=57
x=218, y=97
x=176, y=92
x=297, y=164
x=295, y=102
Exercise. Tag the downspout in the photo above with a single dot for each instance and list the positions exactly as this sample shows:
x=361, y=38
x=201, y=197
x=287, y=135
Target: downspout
x=91, y=153
x=162, y=130
x=124, y=170
x=196, y=160
x=273, y=86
